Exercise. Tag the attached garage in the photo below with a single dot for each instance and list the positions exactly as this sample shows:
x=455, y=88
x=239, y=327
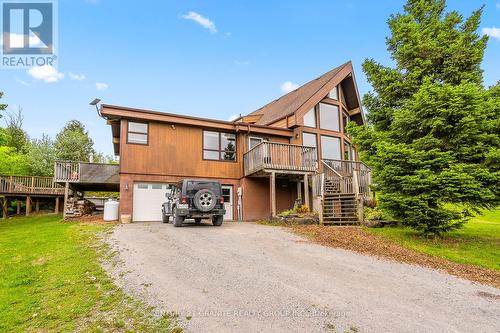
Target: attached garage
x=147, y=201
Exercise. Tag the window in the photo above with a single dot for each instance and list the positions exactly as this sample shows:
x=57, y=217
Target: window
x=345, y=120
x=330, y=148
x=329, y=117
x=310, y=118
x=156, y=186
x=347, y=151
x=219, y=146
x=309, y=140
x=137, y=133
x=253, y=142
x=334, y=94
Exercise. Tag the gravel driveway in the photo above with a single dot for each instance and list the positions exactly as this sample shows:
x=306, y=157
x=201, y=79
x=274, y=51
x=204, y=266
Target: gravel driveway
x=245, y=277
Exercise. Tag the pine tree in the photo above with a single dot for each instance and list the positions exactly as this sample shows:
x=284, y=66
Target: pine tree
x=433, y=134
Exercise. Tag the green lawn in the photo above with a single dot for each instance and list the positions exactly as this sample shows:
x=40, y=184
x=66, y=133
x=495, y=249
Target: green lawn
x=477, y=243
x=51, y=281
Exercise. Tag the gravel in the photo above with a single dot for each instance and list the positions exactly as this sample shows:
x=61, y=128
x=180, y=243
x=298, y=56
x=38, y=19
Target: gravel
x=247, y=277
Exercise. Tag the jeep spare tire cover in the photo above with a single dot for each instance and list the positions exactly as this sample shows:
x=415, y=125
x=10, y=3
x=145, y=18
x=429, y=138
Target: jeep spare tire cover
x=204, y=200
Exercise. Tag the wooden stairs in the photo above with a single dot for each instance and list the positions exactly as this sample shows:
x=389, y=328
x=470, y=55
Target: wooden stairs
x=339, y=208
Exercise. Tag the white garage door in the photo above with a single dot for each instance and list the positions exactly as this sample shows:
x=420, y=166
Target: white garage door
x=147, y=201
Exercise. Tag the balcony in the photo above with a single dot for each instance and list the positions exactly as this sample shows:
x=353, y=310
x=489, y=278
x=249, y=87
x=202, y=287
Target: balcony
x=30, y=185
x=88, y=176
x=281, y=157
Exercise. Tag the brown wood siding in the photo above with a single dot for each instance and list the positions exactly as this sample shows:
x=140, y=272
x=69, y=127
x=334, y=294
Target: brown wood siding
x=280, y=123
x=176, y=151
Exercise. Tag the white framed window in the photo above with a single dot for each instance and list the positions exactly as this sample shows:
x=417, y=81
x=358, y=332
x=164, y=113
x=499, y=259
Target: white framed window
x=334, y=93
x=330, y=148
x=310, y=118
x=329, y=117
x=137, y=133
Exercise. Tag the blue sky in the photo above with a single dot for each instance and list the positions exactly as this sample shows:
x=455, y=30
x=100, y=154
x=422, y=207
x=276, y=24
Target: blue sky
x=212, y=59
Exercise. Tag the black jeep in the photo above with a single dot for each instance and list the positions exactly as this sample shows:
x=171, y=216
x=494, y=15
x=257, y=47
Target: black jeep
x=196, y=199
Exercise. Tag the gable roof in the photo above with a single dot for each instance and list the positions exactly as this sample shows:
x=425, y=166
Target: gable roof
x=291, y=102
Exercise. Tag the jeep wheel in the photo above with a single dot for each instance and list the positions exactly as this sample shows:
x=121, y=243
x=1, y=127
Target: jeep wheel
x=197, y=220
x=205, y=200
x=217, y=220
x=165, y=218
x=178, y=220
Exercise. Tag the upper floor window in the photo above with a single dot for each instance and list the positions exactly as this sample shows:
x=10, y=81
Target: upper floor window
x=219, y=146
x=310, y=118
x=345, y=120
x=334, y=93
x=137, y=133
x=330, y=148
x=309, y=140
x=329, y=117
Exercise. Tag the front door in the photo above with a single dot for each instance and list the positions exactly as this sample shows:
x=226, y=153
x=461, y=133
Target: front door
x=227, y=193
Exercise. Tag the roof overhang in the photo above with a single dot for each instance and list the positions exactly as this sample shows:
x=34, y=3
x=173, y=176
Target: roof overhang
x=114, y=114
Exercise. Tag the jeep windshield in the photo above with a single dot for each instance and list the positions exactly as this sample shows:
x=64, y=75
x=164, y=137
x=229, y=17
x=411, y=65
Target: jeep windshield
x=194, y=186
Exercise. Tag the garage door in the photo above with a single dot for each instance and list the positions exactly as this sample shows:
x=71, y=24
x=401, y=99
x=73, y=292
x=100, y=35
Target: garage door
x=147, y=201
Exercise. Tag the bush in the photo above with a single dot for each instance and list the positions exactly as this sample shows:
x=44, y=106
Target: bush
x=373, y=214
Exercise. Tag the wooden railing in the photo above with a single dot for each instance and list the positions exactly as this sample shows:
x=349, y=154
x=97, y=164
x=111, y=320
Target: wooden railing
x=348, y=176
x=279, y=156
x=83, y=172
x=30, y=185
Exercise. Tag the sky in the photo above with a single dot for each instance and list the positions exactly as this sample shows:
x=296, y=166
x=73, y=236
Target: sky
x=213, y=59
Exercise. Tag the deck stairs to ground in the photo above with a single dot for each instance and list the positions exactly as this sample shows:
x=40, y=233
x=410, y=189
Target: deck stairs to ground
x=338, y=207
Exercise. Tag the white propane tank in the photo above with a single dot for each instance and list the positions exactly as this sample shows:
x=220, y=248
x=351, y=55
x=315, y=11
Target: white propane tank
x=111, y=210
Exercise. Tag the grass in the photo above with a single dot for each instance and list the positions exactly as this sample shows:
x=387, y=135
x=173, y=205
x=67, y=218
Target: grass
x=51, y=280
x=477, y=243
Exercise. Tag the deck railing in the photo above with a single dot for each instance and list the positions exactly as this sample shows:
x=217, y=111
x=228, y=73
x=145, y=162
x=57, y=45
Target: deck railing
x=280, y=156
x=345, y=176
x=30, y=185
x=83, y=172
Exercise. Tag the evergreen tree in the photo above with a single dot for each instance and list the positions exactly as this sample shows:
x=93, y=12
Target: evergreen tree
x=433, y=134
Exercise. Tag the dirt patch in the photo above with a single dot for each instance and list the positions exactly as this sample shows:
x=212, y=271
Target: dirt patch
x=358, y=240
x=95, y=219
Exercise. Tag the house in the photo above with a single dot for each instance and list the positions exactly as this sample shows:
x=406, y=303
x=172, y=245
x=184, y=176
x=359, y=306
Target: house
x=293, y=148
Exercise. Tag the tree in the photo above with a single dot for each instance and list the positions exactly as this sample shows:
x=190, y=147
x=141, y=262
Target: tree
x=432, y=137
x=2, y=106
x=41, y=155
x=74, y=143
x=12, y=163
x=15, y=136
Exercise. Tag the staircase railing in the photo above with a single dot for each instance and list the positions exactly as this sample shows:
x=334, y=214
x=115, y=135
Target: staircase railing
x=349, y=176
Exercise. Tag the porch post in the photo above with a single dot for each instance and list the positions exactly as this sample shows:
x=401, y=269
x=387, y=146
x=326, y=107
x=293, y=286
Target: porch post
x=56, y=209
x=306, y=191
x=28, y=205
x=37, y=205
x=4, y=202
x=272, y=188
x=66, y=192
x=18, y=204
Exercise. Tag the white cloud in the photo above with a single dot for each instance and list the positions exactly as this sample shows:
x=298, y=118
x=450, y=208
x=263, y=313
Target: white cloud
x=76, y=77
x=492, y=32
x=201, y=20
x=101, y=86
x=242, y=62
x=46, y=73
x=233, y=117
x=288, y=86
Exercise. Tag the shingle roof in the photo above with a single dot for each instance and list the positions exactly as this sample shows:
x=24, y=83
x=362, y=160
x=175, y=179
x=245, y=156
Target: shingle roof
x=291, y=102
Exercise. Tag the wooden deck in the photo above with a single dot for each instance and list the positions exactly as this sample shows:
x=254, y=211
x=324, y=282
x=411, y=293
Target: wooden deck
x=84, y=176
x=29, y=185
x=279, y=157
